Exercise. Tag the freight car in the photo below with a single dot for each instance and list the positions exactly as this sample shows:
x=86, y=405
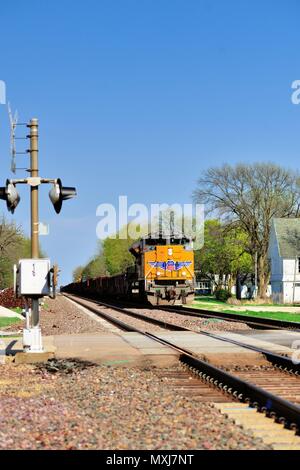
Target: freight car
x=163, y=274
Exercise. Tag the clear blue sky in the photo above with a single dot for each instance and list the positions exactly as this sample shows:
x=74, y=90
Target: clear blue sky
x=136, y=97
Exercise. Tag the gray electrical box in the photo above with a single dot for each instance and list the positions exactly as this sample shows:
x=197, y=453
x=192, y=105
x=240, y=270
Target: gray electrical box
x=32, y=277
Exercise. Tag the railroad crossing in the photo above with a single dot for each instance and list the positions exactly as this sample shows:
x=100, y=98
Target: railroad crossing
x=34, y=278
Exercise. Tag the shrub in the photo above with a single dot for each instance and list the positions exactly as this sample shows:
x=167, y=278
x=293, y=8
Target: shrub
x=8, y=300
x=223, y=295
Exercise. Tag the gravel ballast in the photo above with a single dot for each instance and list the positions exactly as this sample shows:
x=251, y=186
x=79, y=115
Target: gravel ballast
x=73, y=406
x=186, y=321
x=195, y=324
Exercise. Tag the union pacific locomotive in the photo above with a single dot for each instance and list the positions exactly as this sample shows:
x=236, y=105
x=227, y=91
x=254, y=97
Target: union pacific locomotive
x=163, y=274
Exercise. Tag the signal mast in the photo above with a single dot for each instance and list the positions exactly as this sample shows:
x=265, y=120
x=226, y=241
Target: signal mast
x=33, y=278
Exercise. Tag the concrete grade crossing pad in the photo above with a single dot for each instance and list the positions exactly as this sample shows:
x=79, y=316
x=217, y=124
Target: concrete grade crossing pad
x=213, y=350
x=279, y=340
x=134, y=349
x=100, y=348
x=111, y=349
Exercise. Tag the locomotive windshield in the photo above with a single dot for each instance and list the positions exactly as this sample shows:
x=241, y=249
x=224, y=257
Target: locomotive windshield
x=167, y=241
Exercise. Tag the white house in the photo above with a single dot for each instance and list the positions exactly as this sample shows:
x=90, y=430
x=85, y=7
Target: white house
x=284, y=255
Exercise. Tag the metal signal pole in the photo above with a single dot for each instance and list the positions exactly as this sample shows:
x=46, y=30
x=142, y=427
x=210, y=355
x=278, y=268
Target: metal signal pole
x=34, y=194
x=34, y=202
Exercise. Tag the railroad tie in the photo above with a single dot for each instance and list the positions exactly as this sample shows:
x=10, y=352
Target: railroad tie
x=270, y=432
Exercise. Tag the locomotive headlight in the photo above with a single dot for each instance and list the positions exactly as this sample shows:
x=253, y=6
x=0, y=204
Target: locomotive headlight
x=183, y=273
x=170, y=251
x=158, y=273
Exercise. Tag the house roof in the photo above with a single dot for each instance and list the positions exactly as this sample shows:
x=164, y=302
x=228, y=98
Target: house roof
x=288, y=237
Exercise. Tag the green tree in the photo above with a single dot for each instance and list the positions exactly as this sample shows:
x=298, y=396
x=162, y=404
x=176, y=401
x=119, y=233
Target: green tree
x=112, y=257
x=13, y=246
x=116, y=255
x=224, y=253
x=95, y=267
x=77, y=273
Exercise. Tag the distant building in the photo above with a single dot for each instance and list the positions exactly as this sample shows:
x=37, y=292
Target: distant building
x=284, y=254
x=203, y=284
x=206, y=285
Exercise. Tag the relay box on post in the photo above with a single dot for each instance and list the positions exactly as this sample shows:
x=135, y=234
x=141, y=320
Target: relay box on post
x=32, y=277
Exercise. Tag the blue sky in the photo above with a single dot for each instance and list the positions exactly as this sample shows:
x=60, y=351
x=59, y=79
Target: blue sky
x=137, y=97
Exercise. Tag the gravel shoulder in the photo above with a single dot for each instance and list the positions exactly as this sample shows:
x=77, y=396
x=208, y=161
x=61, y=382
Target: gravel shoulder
x=77, y=406
x=60, y=316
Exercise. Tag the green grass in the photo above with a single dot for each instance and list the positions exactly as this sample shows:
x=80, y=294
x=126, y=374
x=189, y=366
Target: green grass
x=269, y=315
x=6, y=321
x=209, y=299
x=211, y=303
x=17, y=309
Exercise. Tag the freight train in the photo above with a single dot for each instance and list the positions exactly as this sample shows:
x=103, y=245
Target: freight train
x=163, y=274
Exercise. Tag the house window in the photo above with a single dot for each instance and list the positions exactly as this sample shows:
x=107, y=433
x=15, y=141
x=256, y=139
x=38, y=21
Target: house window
x=204, y=285
x=298, y=265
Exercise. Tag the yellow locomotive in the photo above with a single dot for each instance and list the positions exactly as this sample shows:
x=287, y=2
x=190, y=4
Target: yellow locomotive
x=165, y=269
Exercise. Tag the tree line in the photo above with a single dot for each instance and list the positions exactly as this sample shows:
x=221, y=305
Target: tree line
x=112, y=257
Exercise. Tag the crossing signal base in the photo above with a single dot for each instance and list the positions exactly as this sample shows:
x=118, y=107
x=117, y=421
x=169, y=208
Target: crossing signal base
x=32, y=339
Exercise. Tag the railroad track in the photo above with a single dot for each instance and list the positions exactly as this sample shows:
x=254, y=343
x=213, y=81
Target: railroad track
x=277, y=360
x=256, y=322
x=271, y=392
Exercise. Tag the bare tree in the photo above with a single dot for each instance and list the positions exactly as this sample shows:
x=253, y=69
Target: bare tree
x=13, y=245
x=10, y=237
x=250, y=196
